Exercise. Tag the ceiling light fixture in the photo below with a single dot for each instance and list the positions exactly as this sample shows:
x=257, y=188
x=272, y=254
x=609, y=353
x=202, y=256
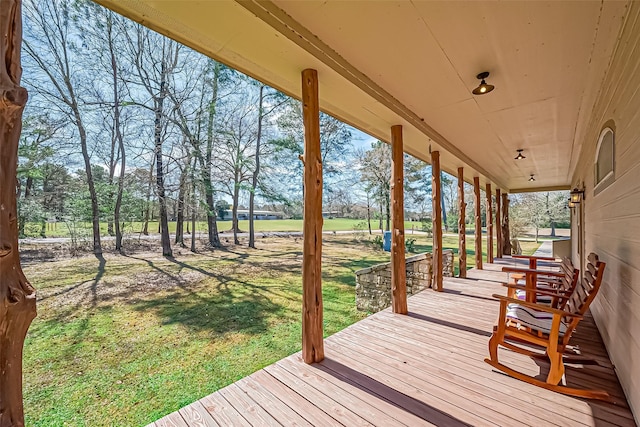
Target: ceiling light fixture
x=531, y=178
x=520, y=156
x=484, y=87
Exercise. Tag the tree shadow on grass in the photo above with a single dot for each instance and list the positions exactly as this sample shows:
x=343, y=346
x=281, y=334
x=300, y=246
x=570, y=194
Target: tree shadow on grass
x=223, y=313
x=236, y=306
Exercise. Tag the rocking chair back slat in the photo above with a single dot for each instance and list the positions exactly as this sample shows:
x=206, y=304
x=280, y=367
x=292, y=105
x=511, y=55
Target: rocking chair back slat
x=587, y=288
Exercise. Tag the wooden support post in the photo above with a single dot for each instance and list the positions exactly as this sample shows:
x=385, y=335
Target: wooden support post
x=312, y=335
x=498, y=224
x=506, y=239
x=489, y=209
x=462, y=237
x=398, y=265
x=17, y=296
x=436, y=192
x=478, y=230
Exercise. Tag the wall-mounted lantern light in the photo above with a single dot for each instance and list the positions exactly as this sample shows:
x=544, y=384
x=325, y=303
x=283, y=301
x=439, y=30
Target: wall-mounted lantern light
x=577, y=195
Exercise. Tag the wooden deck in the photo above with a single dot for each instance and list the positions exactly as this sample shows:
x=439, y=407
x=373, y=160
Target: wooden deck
x=425, y=368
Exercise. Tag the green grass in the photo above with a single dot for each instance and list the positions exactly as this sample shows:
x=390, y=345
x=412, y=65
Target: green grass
x=145, y=335
x=278, y=225
x=141, y=336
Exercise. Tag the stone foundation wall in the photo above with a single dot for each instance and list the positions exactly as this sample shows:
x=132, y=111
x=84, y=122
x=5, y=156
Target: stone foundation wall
x=373, y=284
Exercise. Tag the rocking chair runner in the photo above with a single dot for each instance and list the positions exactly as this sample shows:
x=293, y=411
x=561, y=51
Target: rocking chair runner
x=548, y=327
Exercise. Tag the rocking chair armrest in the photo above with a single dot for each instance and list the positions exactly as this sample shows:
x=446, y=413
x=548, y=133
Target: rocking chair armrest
x=541, y=258
x=552, y=293
x=538, y=307
x=530, y=271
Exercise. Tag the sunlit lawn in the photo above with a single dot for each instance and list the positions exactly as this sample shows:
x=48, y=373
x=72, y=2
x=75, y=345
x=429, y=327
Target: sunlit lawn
x=62, y=229
x=144, y=335
x=147, y=335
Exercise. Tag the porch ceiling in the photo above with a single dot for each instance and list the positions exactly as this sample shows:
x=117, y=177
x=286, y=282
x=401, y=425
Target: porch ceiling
x=414, y=63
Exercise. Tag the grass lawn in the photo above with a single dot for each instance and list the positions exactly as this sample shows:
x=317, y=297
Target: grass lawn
x=277, y=225
x=129, y=341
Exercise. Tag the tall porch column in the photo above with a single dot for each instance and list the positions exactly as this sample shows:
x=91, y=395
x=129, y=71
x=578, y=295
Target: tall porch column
x=462, y=237
x=498, y=224
x=312, y=336
x=436, y=192
x=398, y=265
x=489, y=209
x=17, y=296
x=478, y=229
x=506, y=239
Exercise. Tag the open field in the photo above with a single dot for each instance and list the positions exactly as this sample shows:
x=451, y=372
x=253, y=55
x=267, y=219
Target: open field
x=62, y=229
x=134, y=229
x=129, y=339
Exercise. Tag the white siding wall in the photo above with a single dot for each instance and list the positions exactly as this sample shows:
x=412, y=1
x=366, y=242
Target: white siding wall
x=612, y=217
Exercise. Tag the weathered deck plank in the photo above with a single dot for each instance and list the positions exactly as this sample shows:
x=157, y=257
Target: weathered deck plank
x=425, y=368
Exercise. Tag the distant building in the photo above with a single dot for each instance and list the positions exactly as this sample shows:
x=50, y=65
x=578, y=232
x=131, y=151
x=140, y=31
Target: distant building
x=331, y=214
x=243, y=214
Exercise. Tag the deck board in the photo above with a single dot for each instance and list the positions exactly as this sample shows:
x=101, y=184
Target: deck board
x=425, y=368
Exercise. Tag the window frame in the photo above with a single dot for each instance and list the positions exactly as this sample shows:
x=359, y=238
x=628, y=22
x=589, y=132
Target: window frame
x=609, y=178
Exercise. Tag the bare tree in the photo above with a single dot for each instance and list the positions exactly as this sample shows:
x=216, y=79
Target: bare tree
x=277, y=99
x=375, y=170
x=50, y=47
x=105, y=36
x=155, y=58
x=237, y=136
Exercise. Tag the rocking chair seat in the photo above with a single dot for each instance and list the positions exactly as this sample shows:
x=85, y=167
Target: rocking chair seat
x=533, y=319
x=521, y=294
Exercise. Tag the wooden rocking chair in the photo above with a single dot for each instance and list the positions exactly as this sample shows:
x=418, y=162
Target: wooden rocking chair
x=548, y=327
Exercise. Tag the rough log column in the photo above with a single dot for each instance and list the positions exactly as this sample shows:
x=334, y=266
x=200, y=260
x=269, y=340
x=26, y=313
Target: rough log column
x=498, y=224
x=398, y=267
x=437, y=220
x=489, y=210
x=506, y=240
x=17, y=296
x=462, y=238
x=478, y=230
x=312, y=344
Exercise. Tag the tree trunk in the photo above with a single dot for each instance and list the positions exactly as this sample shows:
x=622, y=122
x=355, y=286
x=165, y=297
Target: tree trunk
x=27, y=194
x=95, y=210
x=180, y=218
x=164, y=223
x=445, y=223
x=181, y=205
x=17, y=296
x=462, y=237
x=369, y=214
x=506, y=237
x=147, y=213
x=119, y=138
x=194, y=209
x=388, y=207
x=205, y=163
x=256, y=172
x=234, y=211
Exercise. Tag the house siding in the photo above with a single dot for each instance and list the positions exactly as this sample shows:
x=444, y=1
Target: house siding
x=612, y=214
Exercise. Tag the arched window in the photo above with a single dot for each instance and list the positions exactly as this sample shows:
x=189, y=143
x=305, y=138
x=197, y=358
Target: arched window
x=605, y=160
